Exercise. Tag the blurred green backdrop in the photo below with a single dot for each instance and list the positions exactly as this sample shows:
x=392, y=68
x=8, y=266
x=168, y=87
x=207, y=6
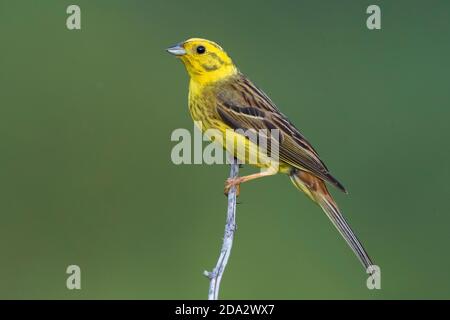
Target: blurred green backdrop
x=85, y=170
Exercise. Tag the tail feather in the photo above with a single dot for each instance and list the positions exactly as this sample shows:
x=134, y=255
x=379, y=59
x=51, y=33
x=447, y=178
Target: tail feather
x=338, y=220
x=317, y=191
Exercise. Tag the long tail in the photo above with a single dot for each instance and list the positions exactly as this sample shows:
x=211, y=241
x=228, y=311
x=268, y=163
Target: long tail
x=316, y=189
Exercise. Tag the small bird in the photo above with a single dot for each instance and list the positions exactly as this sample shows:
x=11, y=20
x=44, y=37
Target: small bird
x=222, y=98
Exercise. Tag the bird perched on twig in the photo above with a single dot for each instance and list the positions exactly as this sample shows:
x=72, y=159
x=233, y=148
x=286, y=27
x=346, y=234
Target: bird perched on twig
x=222, y=98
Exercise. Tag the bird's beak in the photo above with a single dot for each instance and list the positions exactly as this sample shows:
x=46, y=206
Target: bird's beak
x=177, y=50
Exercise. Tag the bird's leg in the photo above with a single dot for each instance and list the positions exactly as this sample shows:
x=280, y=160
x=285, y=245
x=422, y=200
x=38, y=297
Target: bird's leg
x=230, y=182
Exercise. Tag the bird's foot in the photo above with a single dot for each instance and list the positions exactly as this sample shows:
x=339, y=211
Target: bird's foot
x=232, y=182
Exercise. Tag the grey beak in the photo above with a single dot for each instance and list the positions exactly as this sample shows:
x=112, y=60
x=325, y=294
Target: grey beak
x=176, y=50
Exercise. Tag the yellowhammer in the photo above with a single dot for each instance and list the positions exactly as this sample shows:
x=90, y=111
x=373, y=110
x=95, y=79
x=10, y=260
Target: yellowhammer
x=222, y=98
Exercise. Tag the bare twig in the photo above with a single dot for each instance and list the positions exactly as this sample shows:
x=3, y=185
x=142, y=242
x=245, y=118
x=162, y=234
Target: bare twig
x=215, y=276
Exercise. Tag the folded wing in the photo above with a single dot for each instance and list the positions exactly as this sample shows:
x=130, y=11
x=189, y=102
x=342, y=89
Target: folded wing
x=241, y=105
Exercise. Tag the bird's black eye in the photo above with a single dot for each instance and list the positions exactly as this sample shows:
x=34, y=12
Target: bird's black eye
x=201, y=49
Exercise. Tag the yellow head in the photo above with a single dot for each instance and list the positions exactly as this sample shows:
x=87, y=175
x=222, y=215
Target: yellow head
x=205, y=61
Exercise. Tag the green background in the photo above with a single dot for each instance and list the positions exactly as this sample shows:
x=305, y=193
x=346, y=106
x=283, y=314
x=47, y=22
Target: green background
x=85, y=170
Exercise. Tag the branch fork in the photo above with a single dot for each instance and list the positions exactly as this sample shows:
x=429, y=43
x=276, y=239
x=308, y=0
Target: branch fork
x=215, y=276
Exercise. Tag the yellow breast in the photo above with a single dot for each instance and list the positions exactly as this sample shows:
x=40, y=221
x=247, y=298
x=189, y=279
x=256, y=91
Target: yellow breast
x=203, y=112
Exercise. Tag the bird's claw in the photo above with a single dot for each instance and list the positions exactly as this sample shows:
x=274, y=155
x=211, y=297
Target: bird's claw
x=232, y=182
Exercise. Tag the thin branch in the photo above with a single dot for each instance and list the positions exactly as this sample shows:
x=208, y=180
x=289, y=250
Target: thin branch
x=215, y=276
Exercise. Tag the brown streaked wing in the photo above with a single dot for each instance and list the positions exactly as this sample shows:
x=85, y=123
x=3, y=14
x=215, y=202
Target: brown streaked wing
x=241, y=105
